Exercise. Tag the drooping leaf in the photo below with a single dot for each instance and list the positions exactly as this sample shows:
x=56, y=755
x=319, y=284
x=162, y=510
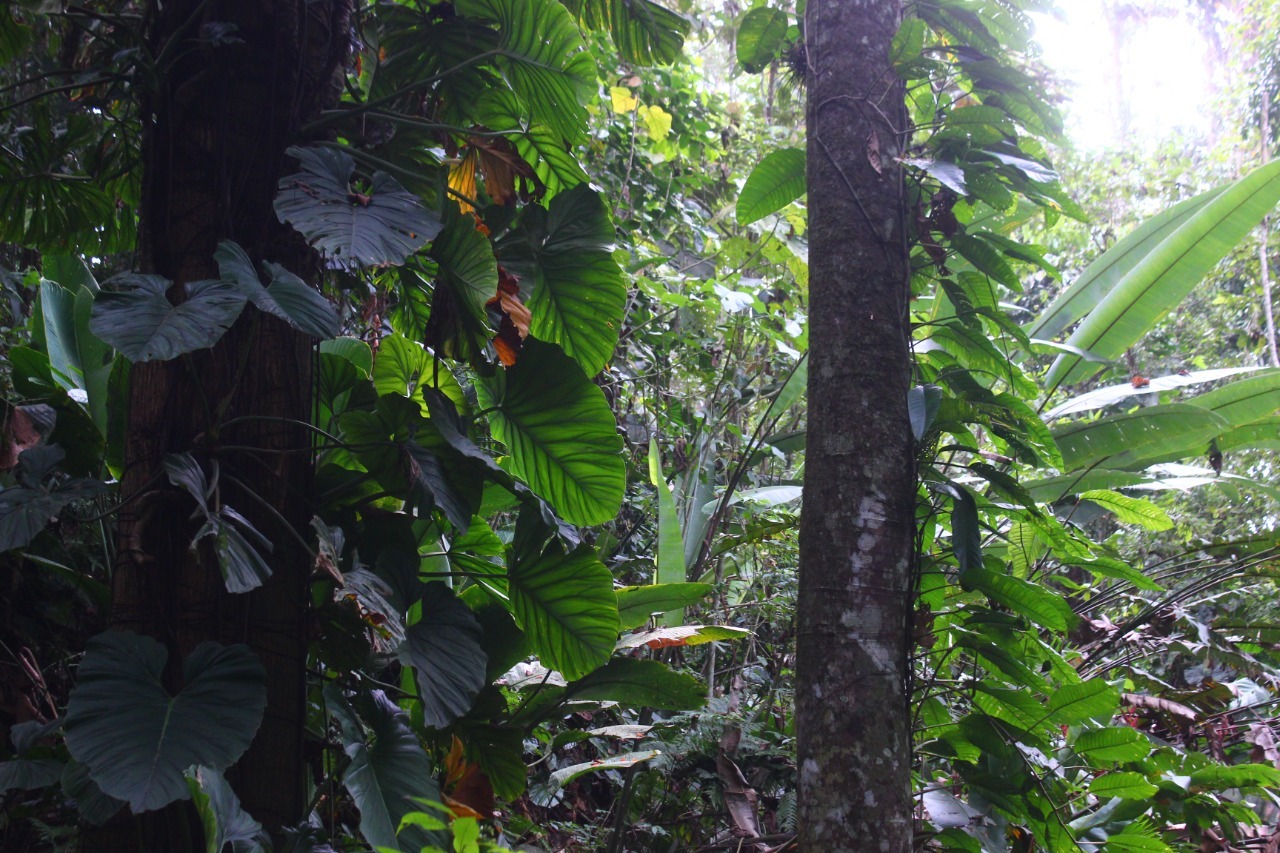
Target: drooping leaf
x=922, y=406
x=224, y=820
x=760, y=37
x=388, y=766
x=565, y=775
x=1130, y=510
x=636, y=604
x=543, y=59
x=1135, y=435
x=644, y=32
x=242, y=564
x=1110, y=745
x=287, y=296
x=1074, y=703
x=681, y=635
x=133, y=314
x=641, y=684
x=1126, y=785
x=352, y=228
x=775, y=182
x=566, y=253
x=560, y=433
x=566, y=606
x=444, y=648
x=1168, y=273
x=26, y=509
x=136, y=739
x=1111, y=266
x=1102, y=397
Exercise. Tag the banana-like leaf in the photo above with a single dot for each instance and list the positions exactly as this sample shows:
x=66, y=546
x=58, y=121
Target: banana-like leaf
x=775, y=182
x=565, y=775
x=1111, y=266
x=669, y=557
x=560, y=433
x=566, y=605
x=352, y=228
x=760, y=37
x=566, y=252
x=1166, y=275
x=1102, y=397
x=1126, y=438
x=136, y=739
x=79, y=360
x=644, y=32
x=544, y=59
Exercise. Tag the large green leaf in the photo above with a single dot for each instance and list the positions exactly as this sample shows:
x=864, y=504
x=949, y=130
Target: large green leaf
x=544, y=59
x=388, y=765
x=578, y=295
x=1245, y=400
x=644, y=32
x=79, y=360
x=669, y=556
x=557, y=167
x=136, y=739
x=1135, y=435
x=1041, y=605
x=1109, y=745
x=760, y=37
x=444, y=647
x=224, y=820
x=560, y=433
x=466, y=263
x=384, y=226
x=1102, y=397
x=1111, y=266
x=637, y=603
x=1167, y=274
x=641, y=684
x=775, y=182
x=566, y=605
x=1072, y=704
x=134, y=315
x=404, y=367
x=25, y=509
x=286, y=296
x=1125, y=785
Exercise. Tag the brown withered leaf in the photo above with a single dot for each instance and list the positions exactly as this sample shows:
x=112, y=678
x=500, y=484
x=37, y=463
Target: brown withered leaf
x=467, y=790
x=514, y=318
x=18, y=433
x=507, y=175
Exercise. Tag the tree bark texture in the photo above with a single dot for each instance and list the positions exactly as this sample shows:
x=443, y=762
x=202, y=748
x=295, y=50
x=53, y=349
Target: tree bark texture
x=856, y=532
x=216, y=127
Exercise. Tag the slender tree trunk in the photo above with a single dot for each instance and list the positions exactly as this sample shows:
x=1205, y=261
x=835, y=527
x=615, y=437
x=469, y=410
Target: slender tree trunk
x=1264, y=261
x=852, y=715
x=221, y=118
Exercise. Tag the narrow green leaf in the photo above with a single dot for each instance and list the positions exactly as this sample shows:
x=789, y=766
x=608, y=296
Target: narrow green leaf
x=565, y=775
x=669, y=556
x=1126, y=785
x=1109, y=745
x=1134, y=435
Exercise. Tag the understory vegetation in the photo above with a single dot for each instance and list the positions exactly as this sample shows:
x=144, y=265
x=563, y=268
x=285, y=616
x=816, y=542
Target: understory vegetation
x=475, y=414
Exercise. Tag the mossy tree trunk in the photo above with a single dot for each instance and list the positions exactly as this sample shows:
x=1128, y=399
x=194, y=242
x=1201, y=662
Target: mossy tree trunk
x=856, y=538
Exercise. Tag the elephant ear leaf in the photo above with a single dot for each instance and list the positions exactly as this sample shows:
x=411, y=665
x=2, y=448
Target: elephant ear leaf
x=383, y=226
x=543, y=58
x=443, y=646
x=560, y=433
x=286, y=296
x=137, y=739
x=134, y=315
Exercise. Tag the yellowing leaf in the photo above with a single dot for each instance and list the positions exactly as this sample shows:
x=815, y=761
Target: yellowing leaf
x=623, y=100
x=462, y=180
x=656, y=120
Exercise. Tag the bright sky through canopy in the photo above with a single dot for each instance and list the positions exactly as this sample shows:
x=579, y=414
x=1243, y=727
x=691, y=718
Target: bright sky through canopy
x=1163, y=76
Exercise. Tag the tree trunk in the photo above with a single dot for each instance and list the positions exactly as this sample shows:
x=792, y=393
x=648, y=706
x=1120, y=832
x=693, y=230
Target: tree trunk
x=221, y=118
x=856, y=532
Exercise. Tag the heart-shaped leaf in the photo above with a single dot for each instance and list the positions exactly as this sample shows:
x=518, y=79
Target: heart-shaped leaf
x=354, y=229
x=566, y=605
x=774, y=183
x=560, y=433
x=134, y=315
x=136, y=739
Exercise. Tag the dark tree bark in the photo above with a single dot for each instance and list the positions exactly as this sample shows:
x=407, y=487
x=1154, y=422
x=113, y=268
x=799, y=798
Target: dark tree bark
x=852, y=696
x=216, y=129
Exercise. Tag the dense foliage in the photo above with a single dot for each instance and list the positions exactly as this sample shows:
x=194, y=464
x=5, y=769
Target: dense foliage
x=558, y=436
